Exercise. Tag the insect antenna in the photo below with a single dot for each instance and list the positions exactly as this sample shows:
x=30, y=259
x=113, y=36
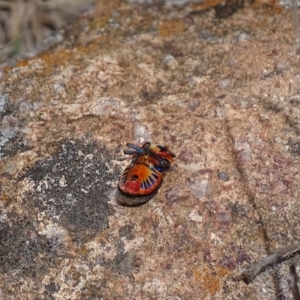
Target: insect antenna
x=137, y=149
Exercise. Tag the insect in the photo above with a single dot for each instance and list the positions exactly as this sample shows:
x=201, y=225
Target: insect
x=142, y=178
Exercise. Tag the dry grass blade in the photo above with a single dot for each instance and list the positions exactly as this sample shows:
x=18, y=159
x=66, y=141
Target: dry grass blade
x=293, y=282
x=26, y=23
x=249, y=273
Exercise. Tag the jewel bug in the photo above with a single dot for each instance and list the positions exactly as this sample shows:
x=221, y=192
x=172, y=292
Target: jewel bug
x=143, y=176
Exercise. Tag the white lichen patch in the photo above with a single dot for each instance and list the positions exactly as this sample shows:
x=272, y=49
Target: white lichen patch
x=194, y=216
x=54, y=231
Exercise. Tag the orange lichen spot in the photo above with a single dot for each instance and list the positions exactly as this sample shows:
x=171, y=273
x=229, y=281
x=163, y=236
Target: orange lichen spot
x=206, y=280
x=61, y=58
x=6, y=69
x=221, y=271
x=206, y=5
x=99, y=22
x=104, y=7
x=209, y=279
x=5, y=198
x=84, y=250
x=23, y=62
x=58, y=58
x=272, y=4
x=170, y=28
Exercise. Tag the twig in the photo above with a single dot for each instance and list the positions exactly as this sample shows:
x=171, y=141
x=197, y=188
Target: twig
x=9, y=43
x=292, y=281
x=249, y=273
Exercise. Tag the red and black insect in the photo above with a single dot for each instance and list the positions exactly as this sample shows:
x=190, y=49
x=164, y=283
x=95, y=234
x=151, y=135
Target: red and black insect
x=145, y=174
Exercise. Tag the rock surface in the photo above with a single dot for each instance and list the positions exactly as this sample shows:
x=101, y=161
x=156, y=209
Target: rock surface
x=223, y=94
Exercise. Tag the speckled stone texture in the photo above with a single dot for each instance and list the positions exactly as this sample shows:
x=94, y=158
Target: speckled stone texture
x=223, y=94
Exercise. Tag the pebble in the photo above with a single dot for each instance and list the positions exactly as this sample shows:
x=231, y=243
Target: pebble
x=242, y=37
x=25, y=106
x=173, y=195
x=224, y=83
x=186, y=156
x=140, y=133
x=60, y=89
x=280, y=66
x=193, y=104
x=168, y=58
x=9, y=126
x=194, y=216
x=170, y=61
x=37, y=105
x=201, y=188
x=223, y=176
x=3, y=104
